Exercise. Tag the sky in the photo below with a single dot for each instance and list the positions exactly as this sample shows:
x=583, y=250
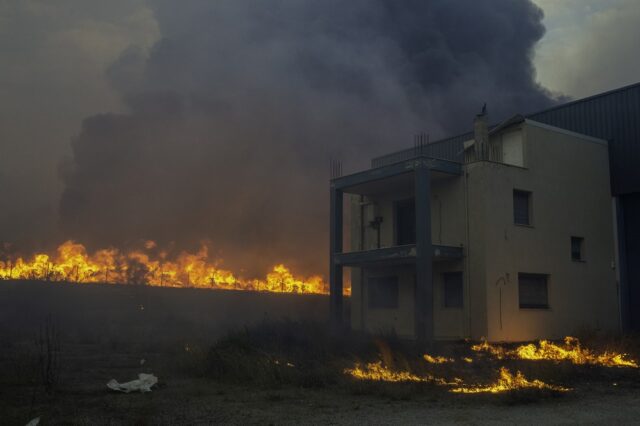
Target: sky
x=135, y=118
x=590, y=46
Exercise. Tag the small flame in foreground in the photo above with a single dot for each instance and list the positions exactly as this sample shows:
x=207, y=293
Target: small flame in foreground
x=71, y=263
x=570, y=351
x=436, y=359
x=505, y=383
x=378, y=372
x=509, y=382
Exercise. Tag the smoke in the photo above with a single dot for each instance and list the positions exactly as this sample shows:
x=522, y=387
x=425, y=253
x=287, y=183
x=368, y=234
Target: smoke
x=233, y=115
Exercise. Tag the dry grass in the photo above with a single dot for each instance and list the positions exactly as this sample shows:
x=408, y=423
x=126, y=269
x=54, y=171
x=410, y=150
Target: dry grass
x=242, y=377
x=276, y=354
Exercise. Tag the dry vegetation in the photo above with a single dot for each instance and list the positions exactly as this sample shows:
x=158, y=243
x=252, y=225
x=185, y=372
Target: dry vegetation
x=271, y=371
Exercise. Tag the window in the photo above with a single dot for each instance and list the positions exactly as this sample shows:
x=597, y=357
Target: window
x=512, y=148
x=521, y=207
x=577, y=251
x=533, y=291
x=405, y=222
x=383, y=292
x=453, y=289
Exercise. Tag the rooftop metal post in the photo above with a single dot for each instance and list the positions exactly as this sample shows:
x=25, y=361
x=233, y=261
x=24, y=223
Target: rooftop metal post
x=335, y=246
x=424, y=255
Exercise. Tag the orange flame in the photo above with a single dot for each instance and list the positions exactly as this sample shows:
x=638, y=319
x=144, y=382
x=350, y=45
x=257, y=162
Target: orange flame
x=72, y=263
x=506, y=382
x=509, y=382
x=570, y=351
x=377, y=372
x=436, y=359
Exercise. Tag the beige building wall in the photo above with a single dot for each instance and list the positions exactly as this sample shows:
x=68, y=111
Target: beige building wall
x=568, y=177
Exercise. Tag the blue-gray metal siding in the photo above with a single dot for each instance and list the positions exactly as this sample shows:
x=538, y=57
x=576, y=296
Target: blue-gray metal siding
x=630, y=204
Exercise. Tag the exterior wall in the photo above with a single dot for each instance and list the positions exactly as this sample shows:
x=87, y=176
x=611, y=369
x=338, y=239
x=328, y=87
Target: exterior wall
x=569, y=179
x=399, y=321
x=476, y=252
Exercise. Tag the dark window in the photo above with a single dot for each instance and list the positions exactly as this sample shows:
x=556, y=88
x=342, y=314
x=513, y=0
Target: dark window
x=533, y=291
x=383, y=292
x=577, y=244
x=453, y=289
x=405, y=222
x=521, y=207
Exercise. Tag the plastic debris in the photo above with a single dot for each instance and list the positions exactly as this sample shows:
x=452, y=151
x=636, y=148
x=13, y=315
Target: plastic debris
x=142, y=384
x=34, y=422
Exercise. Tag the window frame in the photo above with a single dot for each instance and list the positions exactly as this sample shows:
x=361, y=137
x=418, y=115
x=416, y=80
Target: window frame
x=396, y=207
x=444, y=289
x=581, y=257
x=528, y=306
x=529, y=196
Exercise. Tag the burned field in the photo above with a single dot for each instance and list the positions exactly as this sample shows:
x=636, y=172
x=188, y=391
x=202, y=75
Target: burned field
x=244, y=357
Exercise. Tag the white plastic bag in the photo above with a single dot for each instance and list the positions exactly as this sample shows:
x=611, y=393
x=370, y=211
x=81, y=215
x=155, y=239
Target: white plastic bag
x=142, y=384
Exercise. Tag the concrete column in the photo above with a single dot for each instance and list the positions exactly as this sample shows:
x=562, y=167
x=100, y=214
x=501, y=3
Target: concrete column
x=335, y=246
x=424, y=255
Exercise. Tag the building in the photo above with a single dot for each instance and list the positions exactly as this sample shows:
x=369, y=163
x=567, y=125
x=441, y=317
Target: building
x=525, y=230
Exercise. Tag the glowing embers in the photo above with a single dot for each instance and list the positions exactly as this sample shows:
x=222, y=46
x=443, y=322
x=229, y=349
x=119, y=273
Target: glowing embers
x=570, y=351
x=151, y=266
x=508, y=382
x=436, y=359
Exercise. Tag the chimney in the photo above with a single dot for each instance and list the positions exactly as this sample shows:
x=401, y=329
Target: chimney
x=481, y=134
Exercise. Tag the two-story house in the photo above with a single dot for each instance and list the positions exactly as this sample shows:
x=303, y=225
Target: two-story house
x=510, y=237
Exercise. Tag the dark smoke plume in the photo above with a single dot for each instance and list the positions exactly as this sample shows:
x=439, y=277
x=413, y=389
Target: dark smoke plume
x=234, y=114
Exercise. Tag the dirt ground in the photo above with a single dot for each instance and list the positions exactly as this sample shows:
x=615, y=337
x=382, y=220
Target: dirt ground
x=186, y=395
x=180, y=400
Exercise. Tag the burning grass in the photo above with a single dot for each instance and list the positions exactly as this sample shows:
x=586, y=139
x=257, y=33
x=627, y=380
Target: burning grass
x=150, y=266
x=570, y=350
x=376, y=371
x=508, y=382
x=294, y=354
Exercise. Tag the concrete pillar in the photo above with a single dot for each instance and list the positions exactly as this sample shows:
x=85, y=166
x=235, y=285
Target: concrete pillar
x=335, y=246
x=424, y=255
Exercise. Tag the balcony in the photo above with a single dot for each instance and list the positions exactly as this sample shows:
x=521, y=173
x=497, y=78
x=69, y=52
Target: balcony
x=398, y=255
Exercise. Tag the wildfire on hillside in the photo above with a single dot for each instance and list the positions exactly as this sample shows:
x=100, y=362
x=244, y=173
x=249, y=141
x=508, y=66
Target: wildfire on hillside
x=72, y=263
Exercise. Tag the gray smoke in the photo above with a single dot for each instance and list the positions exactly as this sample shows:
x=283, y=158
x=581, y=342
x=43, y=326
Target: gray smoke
x=235, y=112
